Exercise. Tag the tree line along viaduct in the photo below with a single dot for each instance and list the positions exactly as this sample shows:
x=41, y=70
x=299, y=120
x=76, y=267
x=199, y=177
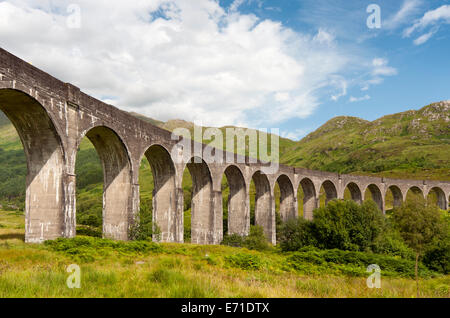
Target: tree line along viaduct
x=51, y=118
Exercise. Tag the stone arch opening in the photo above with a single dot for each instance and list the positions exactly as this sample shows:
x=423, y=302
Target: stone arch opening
x=414, y=193
x=437, y=196
x=354, y=192
x=373, y=193
x=287, y=198
x=307, y=198
x=264, y=207
x=160, y=196
x=116, y=211
x=45, y=217
x=393, y=197
x=236, y=206
x=202, y=218
x=328, y=192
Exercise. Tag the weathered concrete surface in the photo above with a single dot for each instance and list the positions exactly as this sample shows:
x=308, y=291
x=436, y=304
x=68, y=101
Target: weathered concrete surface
x=52, y=117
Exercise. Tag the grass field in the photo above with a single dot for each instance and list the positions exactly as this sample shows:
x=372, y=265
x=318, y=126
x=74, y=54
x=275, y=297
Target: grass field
x=145, y=269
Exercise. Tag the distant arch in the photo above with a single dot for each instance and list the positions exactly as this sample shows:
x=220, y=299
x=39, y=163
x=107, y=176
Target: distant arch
x=117, y=182
x=330, y=191
x=238, y=209
x=309, y=198
x=397, y=195
x=264, y=214
x=414, y=192
x=164, y=196
x=374, y=193
x=202, y=210
x=287, y=198
x=355, y=192
x=441, y=200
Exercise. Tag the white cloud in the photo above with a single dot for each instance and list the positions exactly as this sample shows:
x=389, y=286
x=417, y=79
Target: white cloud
x=358, y=99
x=380, y=67
x=297, y=134
x=423, y=38
x=407, y=10
x=430, y=18
x=192, y=60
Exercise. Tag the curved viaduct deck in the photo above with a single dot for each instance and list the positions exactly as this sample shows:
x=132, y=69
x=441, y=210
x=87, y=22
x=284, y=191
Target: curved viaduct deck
x=52, y=117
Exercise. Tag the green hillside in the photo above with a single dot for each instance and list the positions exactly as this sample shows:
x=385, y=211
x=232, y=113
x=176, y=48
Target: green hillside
x=411, y=144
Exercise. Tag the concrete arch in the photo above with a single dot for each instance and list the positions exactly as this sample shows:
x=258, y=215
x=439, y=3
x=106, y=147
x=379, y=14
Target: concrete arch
x=355, y=192
x=264, y=205
x=238, y=202
x=44, y=203
x=203, y=219
x=117, y=186
x=441, y=197
x=309, y=198
x=165, y=213
x=330, y=190
x=397, y=195
x=376, y=194
x=288, y=200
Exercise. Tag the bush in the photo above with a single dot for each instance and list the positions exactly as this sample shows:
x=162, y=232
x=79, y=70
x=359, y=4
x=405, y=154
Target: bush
x=345, y=225
x=144, y=228
x=244, y=261
x=437, y=257
x=256, y=240
x=391, y=243
x=295, y=234
x=351, y=263
x=234, y=240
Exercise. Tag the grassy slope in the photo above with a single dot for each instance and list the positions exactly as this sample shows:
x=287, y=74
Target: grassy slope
x=412, y=144
x=181, y=270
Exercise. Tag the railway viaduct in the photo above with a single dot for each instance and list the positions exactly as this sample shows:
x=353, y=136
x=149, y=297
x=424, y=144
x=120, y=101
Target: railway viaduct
x=52, y=117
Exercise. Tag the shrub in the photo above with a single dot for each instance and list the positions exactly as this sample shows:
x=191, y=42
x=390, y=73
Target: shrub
x=351, y=263
x=234, y=240
x=295, y=234
x=144, y=228
x=256, y=240
x=391, y=243
x=244, y=261
x=438, y=257
x=347, y=225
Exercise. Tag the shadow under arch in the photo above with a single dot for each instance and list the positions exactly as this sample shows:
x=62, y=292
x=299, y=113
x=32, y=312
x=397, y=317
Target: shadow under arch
x=287, y=198
x=117, y=183
x=164, y=197
x=375, y=195
x=203, y=220
x=264, y=207
x=44, y=198
x=238, y=206
x=355, y=192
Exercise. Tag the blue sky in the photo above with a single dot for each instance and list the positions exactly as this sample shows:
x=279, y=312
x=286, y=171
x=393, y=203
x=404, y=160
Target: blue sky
x=284, y=64
x=422, y=70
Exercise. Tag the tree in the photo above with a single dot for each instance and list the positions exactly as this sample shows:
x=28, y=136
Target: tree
x=420, y=226
x=346, y=225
